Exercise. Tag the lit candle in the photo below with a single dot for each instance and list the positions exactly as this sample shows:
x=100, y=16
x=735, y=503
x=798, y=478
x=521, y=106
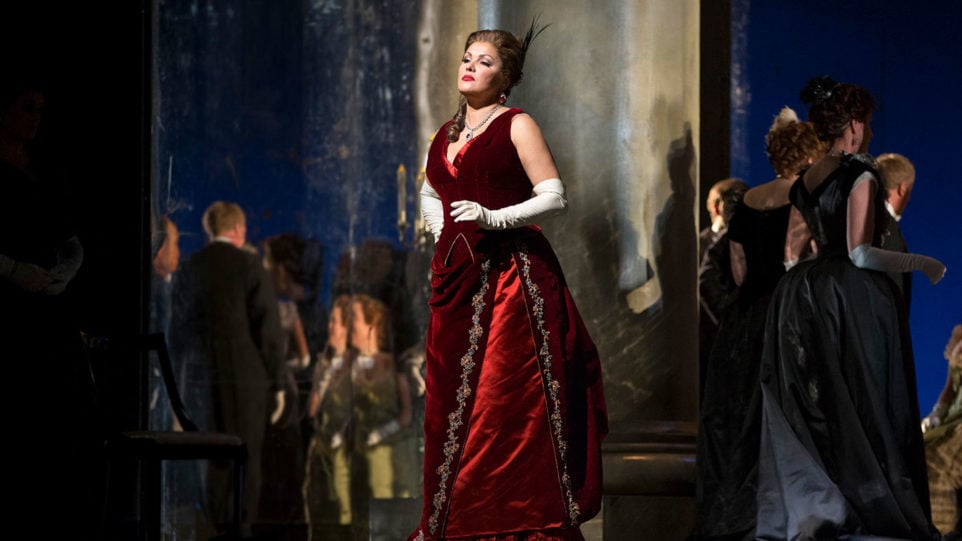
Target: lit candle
x=418, y=221
x=402, y=196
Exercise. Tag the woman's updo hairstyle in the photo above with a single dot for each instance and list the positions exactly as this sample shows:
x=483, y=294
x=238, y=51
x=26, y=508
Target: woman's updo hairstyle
x=832, y=105
x=511, y=51
x=791, y=143
x=377, y=316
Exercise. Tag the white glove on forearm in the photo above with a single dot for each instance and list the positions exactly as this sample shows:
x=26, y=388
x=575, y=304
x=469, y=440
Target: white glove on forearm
x=383, y=432
x=934, y=419
x=549, y=199
x=432, y=210
x=279, y=409
x=69, y=258
x=865, y=256
x=27, y=276
x=299, y=362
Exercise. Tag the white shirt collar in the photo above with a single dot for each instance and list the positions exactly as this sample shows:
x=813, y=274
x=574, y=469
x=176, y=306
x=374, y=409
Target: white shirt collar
x=888, y=207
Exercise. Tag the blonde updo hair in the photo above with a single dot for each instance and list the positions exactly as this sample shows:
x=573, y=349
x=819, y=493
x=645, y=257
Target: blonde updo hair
x=790, y=144
x=377, y=316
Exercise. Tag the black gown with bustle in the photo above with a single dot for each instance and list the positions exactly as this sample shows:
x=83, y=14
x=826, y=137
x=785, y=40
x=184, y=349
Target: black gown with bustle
x=841, y=451
x=727, y=452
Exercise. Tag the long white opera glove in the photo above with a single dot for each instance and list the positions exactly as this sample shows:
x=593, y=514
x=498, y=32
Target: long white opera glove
x=69, y=258
x=549, y=199
x=432, y=210
x=27, y=276
x=276, y=416
x=383, y=432
x=865, y=256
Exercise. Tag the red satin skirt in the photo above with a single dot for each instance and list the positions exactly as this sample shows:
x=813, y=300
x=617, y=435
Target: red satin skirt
x=508, y=481
x=515, y=411
x=546, y=535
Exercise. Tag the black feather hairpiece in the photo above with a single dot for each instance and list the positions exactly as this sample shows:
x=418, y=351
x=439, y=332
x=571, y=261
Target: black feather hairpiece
x=818, y=89
x=533, y=31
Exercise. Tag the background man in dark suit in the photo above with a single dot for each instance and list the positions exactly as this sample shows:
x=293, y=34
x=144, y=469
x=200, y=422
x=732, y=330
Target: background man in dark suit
x=227, y=331
x=898, y=179
x=715, y=282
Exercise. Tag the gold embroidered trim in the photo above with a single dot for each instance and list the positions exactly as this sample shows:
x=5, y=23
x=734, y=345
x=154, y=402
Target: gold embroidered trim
x=455, y=418
x=553, y=387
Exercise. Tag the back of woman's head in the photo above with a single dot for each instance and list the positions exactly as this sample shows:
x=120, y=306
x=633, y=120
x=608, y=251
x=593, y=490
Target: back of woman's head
x=832, y=105
x=790, y=144
x=287, y=250
x=376, y=315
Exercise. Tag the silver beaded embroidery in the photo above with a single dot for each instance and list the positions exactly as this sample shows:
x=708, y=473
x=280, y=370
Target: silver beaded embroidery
x=455, y=418
x=553, y=386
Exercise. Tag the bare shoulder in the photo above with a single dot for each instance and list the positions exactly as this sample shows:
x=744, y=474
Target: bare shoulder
x=523, y=127
x=769, y=195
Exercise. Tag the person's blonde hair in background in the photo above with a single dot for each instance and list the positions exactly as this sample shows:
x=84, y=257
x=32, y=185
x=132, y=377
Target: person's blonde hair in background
x=943, y=445
x=792, y=144
x=222, y=217
x=953, y=350
x=950, y=393
x=898, y=178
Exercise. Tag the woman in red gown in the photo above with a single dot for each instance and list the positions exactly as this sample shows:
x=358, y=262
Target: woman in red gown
x=515, y=410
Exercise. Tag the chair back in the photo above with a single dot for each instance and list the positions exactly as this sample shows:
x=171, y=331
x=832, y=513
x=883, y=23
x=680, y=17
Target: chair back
x=158, y=343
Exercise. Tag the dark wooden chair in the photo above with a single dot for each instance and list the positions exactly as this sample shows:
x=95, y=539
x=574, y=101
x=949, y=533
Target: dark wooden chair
x=149, y=448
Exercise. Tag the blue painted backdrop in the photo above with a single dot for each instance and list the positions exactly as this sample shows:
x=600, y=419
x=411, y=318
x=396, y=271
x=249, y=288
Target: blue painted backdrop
x=299, y=111
x=908, y=54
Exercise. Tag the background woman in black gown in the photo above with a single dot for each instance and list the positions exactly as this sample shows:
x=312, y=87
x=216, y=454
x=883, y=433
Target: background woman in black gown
x=841, y=451
x=730, y=415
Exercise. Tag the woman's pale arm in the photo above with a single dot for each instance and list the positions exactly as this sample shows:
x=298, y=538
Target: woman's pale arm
x=736, y=254
x=533, y=150
x=861, y=224
x=797, y=239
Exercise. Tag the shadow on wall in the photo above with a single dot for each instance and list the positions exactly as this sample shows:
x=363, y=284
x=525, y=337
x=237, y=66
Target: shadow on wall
x=648, y=334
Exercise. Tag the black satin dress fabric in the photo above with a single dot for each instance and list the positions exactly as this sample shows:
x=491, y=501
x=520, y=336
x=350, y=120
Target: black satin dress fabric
x=727, y=453
x=841, y=451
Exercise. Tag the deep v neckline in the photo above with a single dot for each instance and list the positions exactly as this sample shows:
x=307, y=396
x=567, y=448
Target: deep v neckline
x=454, y=162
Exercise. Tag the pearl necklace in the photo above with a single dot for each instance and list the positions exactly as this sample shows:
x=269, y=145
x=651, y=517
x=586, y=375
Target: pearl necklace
x=483, y=122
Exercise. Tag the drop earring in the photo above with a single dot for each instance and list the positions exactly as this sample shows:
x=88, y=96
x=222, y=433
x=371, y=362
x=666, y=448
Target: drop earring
x=502, y=98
